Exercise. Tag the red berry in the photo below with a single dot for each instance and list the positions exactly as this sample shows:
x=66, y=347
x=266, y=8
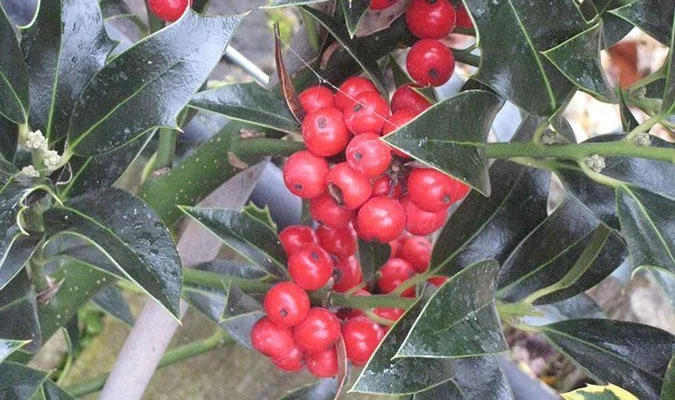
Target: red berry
x=291, y=362
x=417, y=251
x=340, y=242
x=463, y=19
x=327, y=211
x=324, y=363
x=369, y=155
x=168, y=10
x=361, y=336
x=382, y=187
x=392, y=314
x=381, y=4
x=406, y=98
x=305, y=175
x=310, y=267
x=271, y=339
x=367, y=113
x=286, y=304
x=437, y=280
x=295, y=237
x=350, y=187
x=420, y=222
x=347, y=274
x=324, y=132
x=350, y=89
x=431, y=190
x=318, y=331
x=433, y=19
x=393, y=273
x=316, y=97
x=381, y=218
x=429, y=62
x=461, y=190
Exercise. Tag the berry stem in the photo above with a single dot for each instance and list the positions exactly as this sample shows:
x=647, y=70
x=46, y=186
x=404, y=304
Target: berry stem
x=366, y=302
x=217, y=281
x=466, y=57
x=166, y=149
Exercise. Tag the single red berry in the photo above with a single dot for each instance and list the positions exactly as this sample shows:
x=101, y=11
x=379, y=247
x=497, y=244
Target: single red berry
x=286, y=304
x=350, y=89
x=432, y=19
x=323, y=363
x=325, y=210
x=168, y=10
x=380, y=218
x=393, y=273
x=295, y=237
x=430, y=62
x=437, y=280
x=367, y=154
x=310, y=267
x=294, y=361
x=349, y=187
x=305, y=175
x=431, y=190
x=361, y=336
x=348, y=313
x=461, y=190
x=382, y=187
x=324, y=132
x=381, y=4
x=420, y=222
x=316, y=97
x=396, y=121
x=392, y=314
x=463, y=19
x=347, y=274
x=318, y=331
x=340, y=242
x=271, y=339
x=367, y=113
x=417, y=251
x=406, y=98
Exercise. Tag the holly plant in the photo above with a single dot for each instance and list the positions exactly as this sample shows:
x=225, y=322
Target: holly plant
x=422, y=239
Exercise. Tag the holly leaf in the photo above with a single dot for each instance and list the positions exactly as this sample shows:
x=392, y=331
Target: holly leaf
x=449, y=136
x=469, y=328
x=111, y=300
x=7, y=347
x=18, y=382
x=654, y=17
x=14, y=94
x=372, y=256
x=354, y=11
x=18, y=305
x=262, y=214
x=51, y=391
x=668, y=105
x=149, y=84
x=9, y=138
x=16, y=253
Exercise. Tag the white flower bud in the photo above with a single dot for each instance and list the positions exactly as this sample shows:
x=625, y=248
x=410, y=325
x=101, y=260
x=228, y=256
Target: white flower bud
x=36, y=141
x=30, y=171
x=596, y=162
x=52, y=159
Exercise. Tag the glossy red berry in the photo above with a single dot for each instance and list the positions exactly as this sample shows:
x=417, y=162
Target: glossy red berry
x=350, y=89
x=325, y=210
x=461, y=190
x=340, y=242
x=417, y=251
x=392, y=314
x=406, y=98
x=393, y=273
x=361, y=336
x=380, y=218
x=381, y=4
x=286, y=304
x=437, y=280
x=316, y=97
x=431, y=190
x=323, y=363
x=310, y=267
x=430, y=62
x=295, y=237
x=463, y=19
x=294, y=361
x=382, y=186
x=318, y=331
x=271, y=339
x=367, y=154
x=347, y=274
x=420, y=222
x=350, y=187
x=324, y=132
x=432, y=19
x=367, y=113
x=168, y=10
x=305, y=175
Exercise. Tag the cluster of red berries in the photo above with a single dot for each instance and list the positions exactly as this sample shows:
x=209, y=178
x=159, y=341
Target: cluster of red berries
x=168, y=10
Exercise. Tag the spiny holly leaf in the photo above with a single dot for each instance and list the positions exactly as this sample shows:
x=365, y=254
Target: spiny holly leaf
x=512, y=33
x=65, y=47
x=596, y=392
x=578, y=58
x=668, y=105
x=250, y=103
x=132, y=236
x=18, y=382
x=354, y=11
x=8, y=347
x=630, y=355
x=262, y=214
x=16, y=254
x=450, y=136
x=18, y=305
x=613, y=27
x=286, y=3
x=648, y=225
x=372, y=256
x=469, y=328
x=655, y=17
x=149, y=84
x=13, y=77
x=111, y=300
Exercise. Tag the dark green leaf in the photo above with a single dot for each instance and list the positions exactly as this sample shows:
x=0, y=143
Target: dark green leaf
x=18, y=382
x=450, y=136
x=630, y=355
x=668, y=389
x=286, y=3
x=372, y=256
x=71, y=331
x=648, y=225
x=149, y=84
x=668, y=105
x=613, y=27
x=401, y=77
x=131, y=235
x=655, y=17
x=490, y=228
x=69, y=247
x=325, y=389
x=469, y=328
x=250, y=103
x=354, y=12
x=16, y=254
x=245, y=234
x=628, y=121
x=111, y=300
x=53, y=392
x=9, y=136
x=18, y=305
x=8, y=347
x=512, y=34
x=578, y=59
x=262, y=214
x=13, y=77
x=65, y=47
